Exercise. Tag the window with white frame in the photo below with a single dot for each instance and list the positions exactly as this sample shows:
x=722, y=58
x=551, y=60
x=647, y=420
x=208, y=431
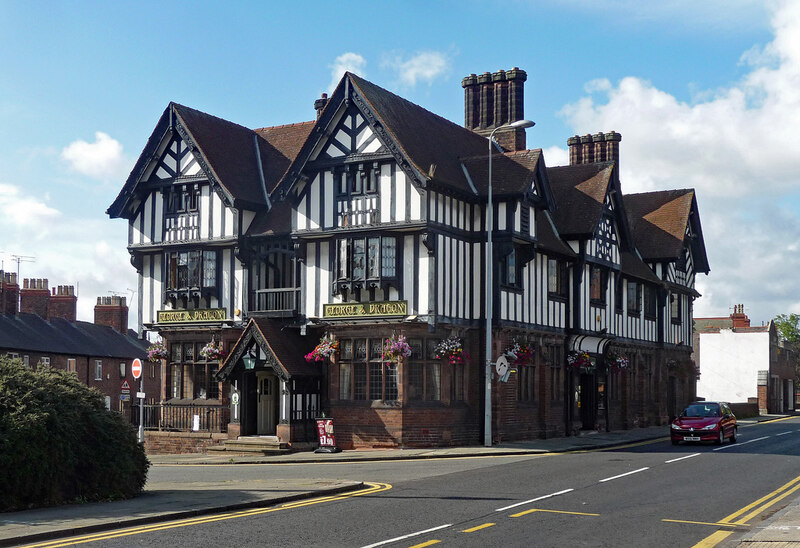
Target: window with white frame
x=98, y=370
x=71, y=365
x=45, y=360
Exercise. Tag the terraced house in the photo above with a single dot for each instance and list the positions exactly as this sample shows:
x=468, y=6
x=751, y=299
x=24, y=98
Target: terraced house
x=312, y=252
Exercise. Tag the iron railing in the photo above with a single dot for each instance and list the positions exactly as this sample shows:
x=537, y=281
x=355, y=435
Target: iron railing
x=181, y=417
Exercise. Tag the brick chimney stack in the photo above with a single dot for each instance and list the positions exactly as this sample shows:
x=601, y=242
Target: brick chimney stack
x=63, y=303
x=600, y=147
x=320, y=103
x=9, y=293
x=34, y=296
x=492, y=100
x=739, y=318
x=113, y=312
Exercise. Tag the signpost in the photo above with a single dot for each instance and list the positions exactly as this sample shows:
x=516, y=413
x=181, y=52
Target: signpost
x=327, y=440
x=136, y=369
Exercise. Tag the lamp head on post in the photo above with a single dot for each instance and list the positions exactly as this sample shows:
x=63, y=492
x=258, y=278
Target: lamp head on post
x=487, y=424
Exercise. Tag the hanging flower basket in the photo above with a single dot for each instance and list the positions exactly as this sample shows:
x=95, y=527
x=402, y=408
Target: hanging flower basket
x=394, y=348
x=157, y=351
x=616, y=362
x=520, y=353
x=580, y=361
x=212, y=351
x=452, y=350
x=326, y=348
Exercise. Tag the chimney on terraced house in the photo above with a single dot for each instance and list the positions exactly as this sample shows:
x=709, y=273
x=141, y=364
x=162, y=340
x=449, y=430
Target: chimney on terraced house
x=9, y=293
x=113, y=312
x=600, y=147
x=63, y=303
x=34, y=296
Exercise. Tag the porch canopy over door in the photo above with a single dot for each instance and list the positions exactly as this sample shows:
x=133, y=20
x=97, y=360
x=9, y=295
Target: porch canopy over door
x=280, y=351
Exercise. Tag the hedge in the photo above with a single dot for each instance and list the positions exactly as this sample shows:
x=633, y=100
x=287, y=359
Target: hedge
x=59, y=444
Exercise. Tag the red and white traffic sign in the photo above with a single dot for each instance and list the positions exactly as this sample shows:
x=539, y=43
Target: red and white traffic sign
x=136, y=368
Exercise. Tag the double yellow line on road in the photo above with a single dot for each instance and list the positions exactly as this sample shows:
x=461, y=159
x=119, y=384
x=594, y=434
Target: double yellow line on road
x=743, y=515
x=372, y=489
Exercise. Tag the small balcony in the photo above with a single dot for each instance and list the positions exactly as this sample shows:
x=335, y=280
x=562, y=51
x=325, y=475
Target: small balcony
x=275, y=303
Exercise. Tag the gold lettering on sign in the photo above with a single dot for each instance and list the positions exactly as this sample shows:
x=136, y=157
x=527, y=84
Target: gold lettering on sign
x=191, y=316
x=356, y=310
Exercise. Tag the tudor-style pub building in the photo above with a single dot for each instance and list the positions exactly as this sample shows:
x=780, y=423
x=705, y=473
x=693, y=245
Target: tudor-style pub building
x=368, y=224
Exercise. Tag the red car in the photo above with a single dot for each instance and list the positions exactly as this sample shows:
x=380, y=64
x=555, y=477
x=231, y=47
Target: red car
x=704, y=421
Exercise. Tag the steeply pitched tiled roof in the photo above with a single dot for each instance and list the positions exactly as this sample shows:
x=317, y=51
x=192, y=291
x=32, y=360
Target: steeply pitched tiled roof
x=579, y=192
x=634, y=267
x=237, y=156
x=548, y=240
x=434, y=145
x=512, y=172
x=32, y=333
x=275, y=222
x=658, y=222
x=281, y=145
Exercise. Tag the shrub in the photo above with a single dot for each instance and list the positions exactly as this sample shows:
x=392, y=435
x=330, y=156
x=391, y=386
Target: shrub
x=59, y=444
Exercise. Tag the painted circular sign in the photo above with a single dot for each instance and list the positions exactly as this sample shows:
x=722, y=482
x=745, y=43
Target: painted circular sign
x=136, y=368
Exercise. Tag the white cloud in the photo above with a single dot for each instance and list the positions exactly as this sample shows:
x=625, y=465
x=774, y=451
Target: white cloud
x=425, y=66
x=738, y=148
x=101, y=160
x=346, y=62
x=20, y=212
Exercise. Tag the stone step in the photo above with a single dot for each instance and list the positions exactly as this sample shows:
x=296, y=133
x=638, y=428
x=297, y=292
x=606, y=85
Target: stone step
x=264, y=445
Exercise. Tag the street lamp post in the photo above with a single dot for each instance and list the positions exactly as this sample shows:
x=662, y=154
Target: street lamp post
x=487, y=416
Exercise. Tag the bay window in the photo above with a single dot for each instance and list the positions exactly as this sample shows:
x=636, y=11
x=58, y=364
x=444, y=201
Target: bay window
x=369, y=262
x=189, y=275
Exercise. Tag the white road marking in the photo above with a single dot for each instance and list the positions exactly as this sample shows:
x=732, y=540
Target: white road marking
x=681, y=458
x=740, y=444
x=625, y=474
x=534, y=500
x=783, y=433
x=381, y=543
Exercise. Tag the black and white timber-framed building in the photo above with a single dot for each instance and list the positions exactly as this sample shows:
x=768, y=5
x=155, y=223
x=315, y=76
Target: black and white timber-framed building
x=368, y=223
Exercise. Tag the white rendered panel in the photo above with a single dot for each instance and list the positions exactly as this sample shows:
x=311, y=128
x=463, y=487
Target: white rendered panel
x=311, y=267
x=228, y=222
x=500, y=222
x=365, y=134
x=416, y=203
x=385, y=189
x=330, y=203
x=205, y=208
x=424, y=280
x=148, y=218
x=136, y=222
x=532, y=221
x=313, y=194
x=374, y=146
x=158, y=287
x=409, y=275
x=518, y=217
x=147, y=312
x=302, y=221
x=324, y=274
x=238, y=287
x=216, y=216
x=400, y=195
x=159, y=219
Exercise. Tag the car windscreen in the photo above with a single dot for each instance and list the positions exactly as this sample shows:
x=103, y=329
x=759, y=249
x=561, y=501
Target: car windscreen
x=704, y=410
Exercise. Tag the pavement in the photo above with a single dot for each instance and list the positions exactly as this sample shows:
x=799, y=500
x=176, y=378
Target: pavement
x=166, y=501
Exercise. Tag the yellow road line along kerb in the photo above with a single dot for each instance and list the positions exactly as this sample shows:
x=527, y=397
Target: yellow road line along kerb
x=478, y=528
x=373, y=488
x=767, y=497
x=715, y=524
x=713, y=539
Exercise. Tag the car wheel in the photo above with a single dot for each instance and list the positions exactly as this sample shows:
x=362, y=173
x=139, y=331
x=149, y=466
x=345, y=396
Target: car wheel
x=733, y=435
x=721, y=438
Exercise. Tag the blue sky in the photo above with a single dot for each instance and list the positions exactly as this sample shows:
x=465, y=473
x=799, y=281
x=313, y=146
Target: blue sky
x=705, y=95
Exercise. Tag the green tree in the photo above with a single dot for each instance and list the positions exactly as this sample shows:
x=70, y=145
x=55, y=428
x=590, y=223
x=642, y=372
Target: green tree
x=788, y=326
x=59, y=444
